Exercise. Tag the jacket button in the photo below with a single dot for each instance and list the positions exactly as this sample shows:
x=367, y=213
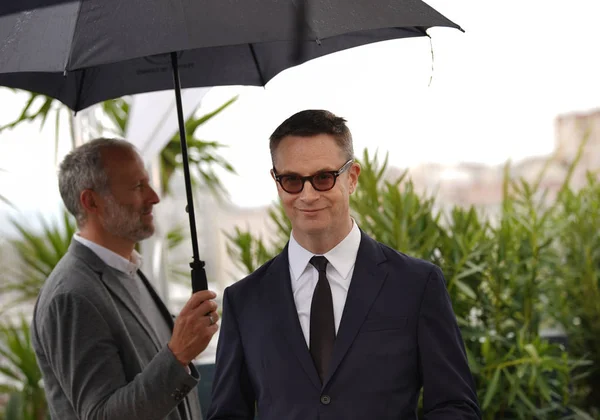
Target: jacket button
x=178, y=395
x=325, y=399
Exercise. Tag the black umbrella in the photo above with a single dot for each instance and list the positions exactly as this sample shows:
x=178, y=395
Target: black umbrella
x=87, y=51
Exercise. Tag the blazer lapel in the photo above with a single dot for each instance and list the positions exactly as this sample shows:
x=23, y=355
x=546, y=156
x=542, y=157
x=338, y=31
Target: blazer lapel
x=121, y=295
x=115, y=289
x=279, y=289
x=367, y=279
x=157, y=300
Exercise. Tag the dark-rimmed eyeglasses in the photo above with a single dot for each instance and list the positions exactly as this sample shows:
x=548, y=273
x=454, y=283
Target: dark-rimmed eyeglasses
x=321, y=181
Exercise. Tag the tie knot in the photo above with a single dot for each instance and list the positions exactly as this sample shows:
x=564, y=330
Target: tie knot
x=319, y=262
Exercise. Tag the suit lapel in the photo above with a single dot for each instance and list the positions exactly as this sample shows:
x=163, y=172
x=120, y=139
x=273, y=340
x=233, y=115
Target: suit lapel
x=114, y=287
x=120, y=294
x=279, y=289
x=367, y=279
x=157, y=300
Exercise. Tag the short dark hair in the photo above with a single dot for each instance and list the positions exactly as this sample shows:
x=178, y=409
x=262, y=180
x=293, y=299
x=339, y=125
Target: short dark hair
x=312, y=122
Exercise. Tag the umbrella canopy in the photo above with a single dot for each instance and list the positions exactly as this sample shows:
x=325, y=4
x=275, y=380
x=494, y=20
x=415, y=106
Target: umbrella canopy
x=86, y=51
x=12, y=7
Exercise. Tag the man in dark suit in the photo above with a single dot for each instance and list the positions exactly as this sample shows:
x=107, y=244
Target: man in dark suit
x=105, y=343
x=337, y=326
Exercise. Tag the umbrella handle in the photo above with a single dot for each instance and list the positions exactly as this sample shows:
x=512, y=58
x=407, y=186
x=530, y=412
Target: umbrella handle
x=199, y=281
x=198, y=273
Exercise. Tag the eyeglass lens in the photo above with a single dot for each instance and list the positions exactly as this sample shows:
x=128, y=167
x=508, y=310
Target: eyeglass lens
x=320, y=182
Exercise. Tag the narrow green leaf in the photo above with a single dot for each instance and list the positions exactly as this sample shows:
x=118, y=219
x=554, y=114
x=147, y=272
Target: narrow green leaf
x=492, y=388
x=463, y=287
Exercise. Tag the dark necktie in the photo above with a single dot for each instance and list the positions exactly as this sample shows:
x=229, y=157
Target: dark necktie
x=322, y=324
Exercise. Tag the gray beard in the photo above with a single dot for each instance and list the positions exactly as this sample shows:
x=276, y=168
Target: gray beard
x=122, y=222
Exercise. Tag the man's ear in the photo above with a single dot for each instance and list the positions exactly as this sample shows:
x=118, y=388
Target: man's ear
x=89, y=201
x=353, y=175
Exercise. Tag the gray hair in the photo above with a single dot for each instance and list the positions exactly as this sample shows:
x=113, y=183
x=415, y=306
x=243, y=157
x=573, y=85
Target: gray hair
x=83, y=169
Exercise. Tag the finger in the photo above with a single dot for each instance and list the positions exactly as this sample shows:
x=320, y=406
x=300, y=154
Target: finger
x=197, y=299
x=204, y=308
x=212, y=318
x=215, y=316
x=212, y=329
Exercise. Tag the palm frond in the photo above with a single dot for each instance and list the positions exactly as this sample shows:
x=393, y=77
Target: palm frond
x=38, y=253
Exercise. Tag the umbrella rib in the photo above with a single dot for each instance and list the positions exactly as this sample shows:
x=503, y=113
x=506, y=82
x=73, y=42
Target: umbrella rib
x=257, y=65
x=78, y=91
x=71, y=39
x=303, y=28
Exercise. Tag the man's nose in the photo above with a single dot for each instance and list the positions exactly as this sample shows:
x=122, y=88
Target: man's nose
x=153, y=196
x=309, y=193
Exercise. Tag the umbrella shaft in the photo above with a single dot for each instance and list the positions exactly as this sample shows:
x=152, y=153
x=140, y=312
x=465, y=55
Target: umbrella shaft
x=199, y=281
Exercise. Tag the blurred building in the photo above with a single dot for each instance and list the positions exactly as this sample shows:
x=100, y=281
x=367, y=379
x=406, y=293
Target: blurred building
x=571, y=130
x=480, y=185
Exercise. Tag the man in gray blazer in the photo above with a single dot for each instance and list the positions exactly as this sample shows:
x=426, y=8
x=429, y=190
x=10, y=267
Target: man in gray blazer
x=106, y=344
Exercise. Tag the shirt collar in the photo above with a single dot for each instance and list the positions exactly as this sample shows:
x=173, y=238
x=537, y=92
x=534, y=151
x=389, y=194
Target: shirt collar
x=342, y=257
x=112, y=259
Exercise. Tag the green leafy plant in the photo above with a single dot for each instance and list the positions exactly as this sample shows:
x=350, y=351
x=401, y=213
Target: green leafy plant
x=21, y=378
x=114, y=117
x=38, y=254
x=250, y=252
x=202, y=155
x=392, y=212
x=45, y=107
x=39, y=108
x=576, y=295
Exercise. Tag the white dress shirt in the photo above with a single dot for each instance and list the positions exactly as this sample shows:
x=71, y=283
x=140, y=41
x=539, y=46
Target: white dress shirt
x=112, y=259
x=339, y=273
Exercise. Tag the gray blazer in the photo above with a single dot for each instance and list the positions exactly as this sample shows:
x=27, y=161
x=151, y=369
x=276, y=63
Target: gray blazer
x=97, y=354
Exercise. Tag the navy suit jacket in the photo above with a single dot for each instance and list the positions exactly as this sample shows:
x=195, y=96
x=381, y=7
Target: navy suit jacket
x=398, y=333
